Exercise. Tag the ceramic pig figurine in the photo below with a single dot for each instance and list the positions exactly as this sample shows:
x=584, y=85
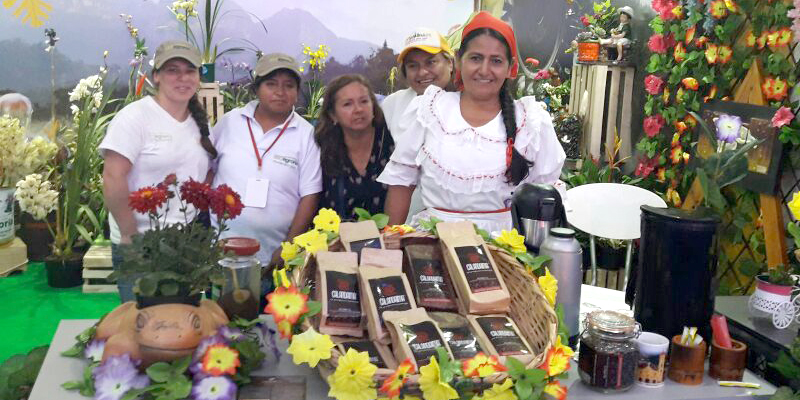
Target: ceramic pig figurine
x=163, y=332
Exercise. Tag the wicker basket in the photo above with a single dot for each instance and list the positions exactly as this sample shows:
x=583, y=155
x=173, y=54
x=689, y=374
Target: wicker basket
x=530, y=310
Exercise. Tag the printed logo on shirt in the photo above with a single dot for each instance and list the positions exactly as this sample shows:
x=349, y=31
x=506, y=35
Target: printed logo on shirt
x=161, y=137
x=285, y=160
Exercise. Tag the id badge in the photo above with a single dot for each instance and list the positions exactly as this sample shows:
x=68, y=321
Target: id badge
x=256, y=193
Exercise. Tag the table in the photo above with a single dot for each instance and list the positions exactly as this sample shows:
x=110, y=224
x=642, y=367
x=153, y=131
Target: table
x=609, y=210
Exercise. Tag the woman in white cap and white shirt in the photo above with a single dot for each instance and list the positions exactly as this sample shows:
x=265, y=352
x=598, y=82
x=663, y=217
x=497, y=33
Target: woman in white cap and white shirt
x=152, y=138
x=268, y=154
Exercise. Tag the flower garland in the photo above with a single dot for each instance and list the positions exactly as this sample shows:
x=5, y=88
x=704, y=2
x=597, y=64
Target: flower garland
x=696, y=57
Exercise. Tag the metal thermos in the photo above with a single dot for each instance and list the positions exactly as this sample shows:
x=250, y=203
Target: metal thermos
x=566, y=253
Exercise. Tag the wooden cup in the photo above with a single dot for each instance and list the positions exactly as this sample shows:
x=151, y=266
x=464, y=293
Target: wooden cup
x=686, y=363
x=728, y=364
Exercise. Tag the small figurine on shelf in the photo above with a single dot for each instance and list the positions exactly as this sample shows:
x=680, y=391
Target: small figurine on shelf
x=621, y=35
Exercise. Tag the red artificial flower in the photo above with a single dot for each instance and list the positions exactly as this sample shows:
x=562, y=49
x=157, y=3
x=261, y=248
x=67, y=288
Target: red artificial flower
x=725, y=53
x=653, y=124
x=532, y=61
x=681, y=126
x=679, y=53
x=148, y=199
x=665, y=8
x=646, y=167
x=585, y=21
x=196, y=193
x=542, y=74
x=701, y=41
x=689, y=35
x=225, y=203
x=170, y=179
x=653, y=84
x=690, y=83
x=712, y=51
x=660, y=43
x=718, y=9
x=783, y=116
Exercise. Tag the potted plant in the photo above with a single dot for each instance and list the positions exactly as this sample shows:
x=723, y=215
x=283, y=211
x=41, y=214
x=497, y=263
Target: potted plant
x=70, y=186
x=176, y=262
x=596, y=26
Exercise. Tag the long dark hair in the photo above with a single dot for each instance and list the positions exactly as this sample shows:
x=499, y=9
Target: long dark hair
x=520, y=167
x=329, y=135
x=198, y=114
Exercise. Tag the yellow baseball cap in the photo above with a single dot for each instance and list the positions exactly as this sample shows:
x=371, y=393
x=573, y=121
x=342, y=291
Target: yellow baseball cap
x=426, y=40
x=176, y=49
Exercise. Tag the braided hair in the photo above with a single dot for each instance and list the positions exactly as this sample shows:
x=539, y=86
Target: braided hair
x=520, y=166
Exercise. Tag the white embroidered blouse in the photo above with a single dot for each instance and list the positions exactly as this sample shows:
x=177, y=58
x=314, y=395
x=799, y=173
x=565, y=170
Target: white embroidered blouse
x=460, y=167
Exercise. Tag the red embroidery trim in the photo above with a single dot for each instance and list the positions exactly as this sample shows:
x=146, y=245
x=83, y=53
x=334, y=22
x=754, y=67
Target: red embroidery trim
x=438, y=120
x=461, y=177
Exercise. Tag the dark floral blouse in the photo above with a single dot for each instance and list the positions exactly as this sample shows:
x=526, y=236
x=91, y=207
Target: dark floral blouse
x=343, y=193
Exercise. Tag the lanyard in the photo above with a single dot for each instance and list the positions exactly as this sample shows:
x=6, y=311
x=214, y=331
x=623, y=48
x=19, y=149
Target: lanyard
x=260, y=158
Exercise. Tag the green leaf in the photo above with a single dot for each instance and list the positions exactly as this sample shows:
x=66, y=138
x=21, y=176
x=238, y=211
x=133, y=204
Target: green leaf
x=515, y=367
x=135, y=393
x=72, y=385
x=786, y=366
x=784, y=393
x=362, y=214
x=75, y=351
x=314, y=308
x=180, y=365
x=168, y=288
x=749, y=268
x=159, y=372
x=147, y=285
x=380, y=220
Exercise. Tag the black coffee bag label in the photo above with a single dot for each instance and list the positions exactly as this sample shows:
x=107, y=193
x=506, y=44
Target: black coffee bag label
x=503, y=336
x=477, y=268
x=369, y=347
x=430, y=282
x=423, y=339
x=389, y=294
x=463, y=344
x=359, y=245
x=344, y=307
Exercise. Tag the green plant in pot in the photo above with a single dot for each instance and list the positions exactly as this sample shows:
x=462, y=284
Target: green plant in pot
x=177, y=260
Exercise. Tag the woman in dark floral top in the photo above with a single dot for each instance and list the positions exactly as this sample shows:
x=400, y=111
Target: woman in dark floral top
x=355, y=146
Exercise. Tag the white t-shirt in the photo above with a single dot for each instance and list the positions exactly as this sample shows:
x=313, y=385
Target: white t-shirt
x=462, y=168
x=394, y=106
x=292, y=167
x=157, y=145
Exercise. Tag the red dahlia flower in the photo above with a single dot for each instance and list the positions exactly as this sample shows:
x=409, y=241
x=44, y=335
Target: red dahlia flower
x=225, y=203
x=196, y=193
x=148, y=199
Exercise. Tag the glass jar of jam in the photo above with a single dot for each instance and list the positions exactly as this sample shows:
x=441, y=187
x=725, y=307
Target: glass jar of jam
x=608, y=355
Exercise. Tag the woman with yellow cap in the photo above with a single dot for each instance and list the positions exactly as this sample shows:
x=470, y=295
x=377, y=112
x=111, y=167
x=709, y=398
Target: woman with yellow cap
x=476, y=145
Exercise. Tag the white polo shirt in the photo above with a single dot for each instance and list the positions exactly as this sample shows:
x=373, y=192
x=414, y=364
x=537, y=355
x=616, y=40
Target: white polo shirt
x=292, y=167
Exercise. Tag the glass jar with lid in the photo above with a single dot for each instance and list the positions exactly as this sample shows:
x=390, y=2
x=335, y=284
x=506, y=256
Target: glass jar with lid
x=608, y=355
x=241, y=292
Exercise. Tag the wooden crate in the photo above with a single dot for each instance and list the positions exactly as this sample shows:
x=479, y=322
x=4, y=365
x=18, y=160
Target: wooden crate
x=211, y=99
x=96, y=269
x=13, y=257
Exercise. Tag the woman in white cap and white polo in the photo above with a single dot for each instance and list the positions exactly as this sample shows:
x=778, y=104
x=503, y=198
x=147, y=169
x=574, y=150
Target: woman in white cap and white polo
x=152, y=138
x=267, y=153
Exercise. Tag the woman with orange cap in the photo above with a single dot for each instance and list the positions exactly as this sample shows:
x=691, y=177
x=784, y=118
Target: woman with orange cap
x=476, y=145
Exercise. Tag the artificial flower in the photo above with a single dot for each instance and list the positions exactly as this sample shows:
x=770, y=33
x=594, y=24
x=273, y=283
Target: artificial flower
x=147, y=199
x=660, y=43
x=728, y=127
x=353, y=377
x=681, y=127
x=794, y=206
x=679, y=95
x=564, y=348
x=732, y=6
x=711, y=94
x=689, y=35
x=676, y=138
x=398, y=229
x=711, y=53
x=725, y=53
x=220, y=360
x=312, y=241
x=94, y=350
x=772, y=38
x=701, y=41
x=549, y=285
x=665, y=95
x=775, y=88
x=327, y=220
x=750, y=39
x=287, y=304
x=310, y=347
x=677, y=155
x=513, y=240
x=225, y=203
x=677, y=12
x=585, y=21
x=762, y=39
x=36, y=197
x=784, y=37
x=555, y=390
x=673, y=197
x=653, y=124
x=231, y=334
x=289, y=251
x=718, y=9
x=431, y=384
x=285, y=329
x=205, y=343
x=504, y=391
x=690, y=83
x=481, y=366
x=542, y=74
x=196, y=193
x=783, y=116
x=646, y=167
x=280, y=278
x=556, y=361
x=679, y=53
x=392, y=385
x=114, y=384
x=532, y=61
x=665, y=8
x=690, y=121
x=119, y=364
x=653, y=84
x=214, y=388
x=661, y=174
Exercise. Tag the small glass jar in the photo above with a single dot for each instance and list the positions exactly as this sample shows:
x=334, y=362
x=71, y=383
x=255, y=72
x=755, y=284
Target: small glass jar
x=241, y=293
x=608, y=354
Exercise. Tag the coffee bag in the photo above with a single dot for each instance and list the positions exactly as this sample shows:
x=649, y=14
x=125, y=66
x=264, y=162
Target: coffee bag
x=414, y=335
x=381, y=258
x=458, y=334
x=356, y=236
x=383, y=289
x=499, y=335
x=337, y=277
x=479, y=285
x=428, y=277
x=379, y=354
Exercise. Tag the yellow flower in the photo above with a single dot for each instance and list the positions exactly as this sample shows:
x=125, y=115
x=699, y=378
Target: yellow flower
x=481, y=366
x=279, y=278
x=564, y=348
x=502, y=391
x=557, y=360
x=310, y=347
x=220, y=360
x=405, y=397
x=313, y=241
x=352, y=379
x=794, y=205
x=392, y=385
x=289, y=251
x=549, y=286
x=513, y=240
x=556, y=390
x=401, y=229
x=327, y=220
x=430, y=382
x=284, y=328
x=287, y=304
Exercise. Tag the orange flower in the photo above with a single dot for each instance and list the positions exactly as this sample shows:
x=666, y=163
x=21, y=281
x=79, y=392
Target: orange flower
x=674, y=197
x=784, y=36
x=775, y=88
x=689, y=35
x=772, y=38
x=679, y=95
x=689, y=120
x=680, y=126
x=711, y=53
x=556, y=362
x=701, y=41
x=718, y=9
x=665, y=95
x=732, y=6
x=140, y=84
x=690, y=83
x=287, y=304
x=711, y=94
x=392, y=385
x=678, y=12
x=285, y=329
x=679, y=53
x=220, y=360
x=725, y=53
x=676, y=154
x=661, y=174
x=556, y=390
x=481, y=366
x=676, y=139
x=750, y=39
x=762, y=40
